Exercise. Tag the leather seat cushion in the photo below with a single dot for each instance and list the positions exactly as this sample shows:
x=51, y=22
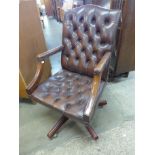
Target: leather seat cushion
x=67, y=92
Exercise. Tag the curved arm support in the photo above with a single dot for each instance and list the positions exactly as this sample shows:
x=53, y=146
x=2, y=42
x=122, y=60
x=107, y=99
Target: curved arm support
x=35, y=81
x=89, y=110
x=45, y=55
x=41, y=60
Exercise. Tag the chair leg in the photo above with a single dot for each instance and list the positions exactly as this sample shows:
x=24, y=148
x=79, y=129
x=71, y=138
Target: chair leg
x=92, y=132
x=57, y=126
x=102, y=103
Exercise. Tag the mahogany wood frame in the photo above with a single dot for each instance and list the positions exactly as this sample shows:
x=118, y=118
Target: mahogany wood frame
x=95, y=85
x=41, y=60
x=95, y=88
x=57, y=126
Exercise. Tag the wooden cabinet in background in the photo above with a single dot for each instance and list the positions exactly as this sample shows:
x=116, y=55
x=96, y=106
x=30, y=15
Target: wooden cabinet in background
x=123, y=61
x=48, y=7
x=31, y=43
x=22, y=85
x=125, y=58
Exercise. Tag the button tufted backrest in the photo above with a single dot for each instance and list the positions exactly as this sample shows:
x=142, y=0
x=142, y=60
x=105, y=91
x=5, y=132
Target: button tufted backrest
x=88, y=32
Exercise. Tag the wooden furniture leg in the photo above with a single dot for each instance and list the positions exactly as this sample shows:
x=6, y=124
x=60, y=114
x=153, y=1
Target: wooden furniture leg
x=57, y=126
x=102, y=103
x=92, y=132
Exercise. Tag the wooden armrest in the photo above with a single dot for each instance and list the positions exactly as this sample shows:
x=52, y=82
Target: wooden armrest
x=34, y=83
x=90, y=107
x=41, y=57
x=89, y=110
x=102, y=64
x=45, y=55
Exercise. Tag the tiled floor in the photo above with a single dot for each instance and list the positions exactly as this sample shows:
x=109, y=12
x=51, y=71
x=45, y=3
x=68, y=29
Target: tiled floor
x=114, y=123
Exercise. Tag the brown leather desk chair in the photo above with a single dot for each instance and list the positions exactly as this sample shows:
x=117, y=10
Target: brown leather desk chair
x=88, y=40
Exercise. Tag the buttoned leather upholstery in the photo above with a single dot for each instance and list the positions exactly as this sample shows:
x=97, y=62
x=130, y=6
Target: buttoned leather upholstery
x=67, y=92
x=88, y=32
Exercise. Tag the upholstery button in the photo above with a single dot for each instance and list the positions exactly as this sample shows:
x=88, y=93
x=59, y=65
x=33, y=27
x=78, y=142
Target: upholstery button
x=102, y=42
x=79, y=39
x=58, y=77
x=93, y=20
x=87, y=82
x=93, y=51
x=59, y=84
x=90, y=40
x=45, y=94
x=70, y=17
x=77, y=57
x=74, y=28
x=73, y=47
x=56, y=99
x=107, y=20
x=60, y=80
x=83, y=50
x=97, y=31
x=86, y=29
x=69, y=36
x=68, y=94
x=79, y=92
x=68, y=89
x=69, y=83
x=68, y=75
x=87, y=60
x=81, y=101
x=57, y=90
x=68, y=106
x=78, y=85
x=77, y=78
x=81, y=19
